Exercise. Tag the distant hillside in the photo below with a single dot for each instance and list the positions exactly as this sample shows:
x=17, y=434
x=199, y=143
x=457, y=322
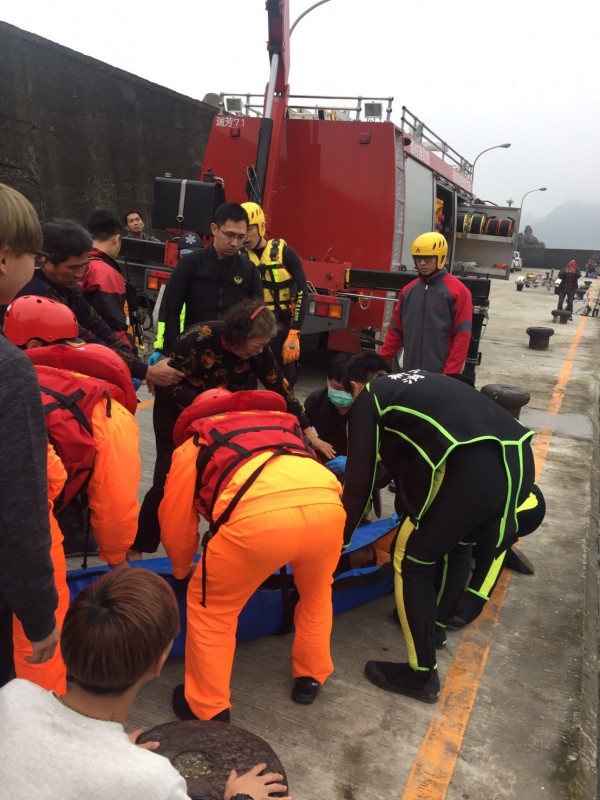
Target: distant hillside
x=572, y=225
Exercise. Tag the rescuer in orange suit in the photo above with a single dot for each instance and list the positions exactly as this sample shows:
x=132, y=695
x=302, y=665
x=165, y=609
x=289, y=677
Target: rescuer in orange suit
x=241, y=462
x=106, y=464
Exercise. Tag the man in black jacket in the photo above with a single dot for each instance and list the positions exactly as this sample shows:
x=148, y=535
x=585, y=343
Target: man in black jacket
x=211, y=281
x=62, y=266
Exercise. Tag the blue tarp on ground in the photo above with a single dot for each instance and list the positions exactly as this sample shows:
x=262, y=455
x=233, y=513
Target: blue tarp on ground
x=264, y=612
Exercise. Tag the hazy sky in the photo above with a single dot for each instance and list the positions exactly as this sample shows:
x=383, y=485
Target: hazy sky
x=477, y=74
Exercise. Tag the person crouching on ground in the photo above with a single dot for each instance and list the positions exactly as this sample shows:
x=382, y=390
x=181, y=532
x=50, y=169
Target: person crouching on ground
x=116, y=638
x=242, y=463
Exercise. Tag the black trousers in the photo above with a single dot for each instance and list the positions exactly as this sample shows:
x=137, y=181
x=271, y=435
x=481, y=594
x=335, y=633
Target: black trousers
x=164, y=416
x=561, y=298
x=467, y=508
x=7, y=666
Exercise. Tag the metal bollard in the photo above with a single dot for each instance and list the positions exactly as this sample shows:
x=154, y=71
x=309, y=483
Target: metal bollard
x=512, y=398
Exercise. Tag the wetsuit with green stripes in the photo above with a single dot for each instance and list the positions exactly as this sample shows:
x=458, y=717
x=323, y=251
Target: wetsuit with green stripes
x=462, y=466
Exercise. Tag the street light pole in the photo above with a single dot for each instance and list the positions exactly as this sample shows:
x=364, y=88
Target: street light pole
x=543, y=189
x=304, y=13
x=487, y=150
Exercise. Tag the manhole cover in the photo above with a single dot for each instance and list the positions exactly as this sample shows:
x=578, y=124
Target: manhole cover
x=204, y=753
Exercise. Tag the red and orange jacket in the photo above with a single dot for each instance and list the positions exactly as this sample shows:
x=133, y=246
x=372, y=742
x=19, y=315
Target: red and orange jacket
x=104, y=288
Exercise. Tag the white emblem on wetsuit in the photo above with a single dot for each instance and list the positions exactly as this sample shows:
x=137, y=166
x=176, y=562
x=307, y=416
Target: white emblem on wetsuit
x=412, y=376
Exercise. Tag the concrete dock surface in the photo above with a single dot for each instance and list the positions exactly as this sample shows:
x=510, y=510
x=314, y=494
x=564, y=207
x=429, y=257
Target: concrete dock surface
x=517, y=716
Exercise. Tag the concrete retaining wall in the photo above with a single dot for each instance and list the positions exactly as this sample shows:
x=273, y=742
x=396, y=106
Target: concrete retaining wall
x=78, y=134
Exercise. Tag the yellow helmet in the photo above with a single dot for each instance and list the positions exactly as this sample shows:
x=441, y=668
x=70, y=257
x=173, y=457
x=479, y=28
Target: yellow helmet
x=256, y=216
x=431, y=244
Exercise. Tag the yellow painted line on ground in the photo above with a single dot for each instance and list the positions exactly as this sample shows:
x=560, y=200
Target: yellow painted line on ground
x=145, y=404
x=434, y=765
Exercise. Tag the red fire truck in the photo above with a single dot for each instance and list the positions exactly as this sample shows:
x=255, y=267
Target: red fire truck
x=349, y=190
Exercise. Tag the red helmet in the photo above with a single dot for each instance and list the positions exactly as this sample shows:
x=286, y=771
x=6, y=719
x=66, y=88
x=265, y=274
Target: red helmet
x=33, y=317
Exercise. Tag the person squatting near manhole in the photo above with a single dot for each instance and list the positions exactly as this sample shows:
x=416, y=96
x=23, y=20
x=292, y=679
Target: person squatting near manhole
x=116, y=638
x=462, y=465
x=88, y=397
x=217, y=354
x=243, y=465
x=284, y=288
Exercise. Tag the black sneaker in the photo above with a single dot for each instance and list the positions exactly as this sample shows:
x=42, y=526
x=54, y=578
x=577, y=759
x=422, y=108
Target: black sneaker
x=183, y=711
x=401, y=679
x=180, y=705
x=305, y=690
x=222, y=716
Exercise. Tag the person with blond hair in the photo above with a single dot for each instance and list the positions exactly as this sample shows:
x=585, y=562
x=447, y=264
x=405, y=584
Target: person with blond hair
x=26, y=573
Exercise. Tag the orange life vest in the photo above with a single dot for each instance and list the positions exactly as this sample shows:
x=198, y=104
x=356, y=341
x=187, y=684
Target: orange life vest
x=231, y=430
x=68, y=402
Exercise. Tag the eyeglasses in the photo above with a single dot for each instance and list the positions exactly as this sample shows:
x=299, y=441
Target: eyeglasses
x=233, y=237
x=39, y=259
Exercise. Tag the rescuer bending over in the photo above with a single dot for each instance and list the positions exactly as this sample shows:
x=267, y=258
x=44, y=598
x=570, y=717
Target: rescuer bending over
x=462, y=465
x=242, y=464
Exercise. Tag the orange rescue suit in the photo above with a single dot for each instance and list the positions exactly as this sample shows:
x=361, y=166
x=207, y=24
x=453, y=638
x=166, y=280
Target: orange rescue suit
x=290, y=514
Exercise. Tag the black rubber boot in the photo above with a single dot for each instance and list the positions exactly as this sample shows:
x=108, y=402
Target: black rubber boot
x=401, y=679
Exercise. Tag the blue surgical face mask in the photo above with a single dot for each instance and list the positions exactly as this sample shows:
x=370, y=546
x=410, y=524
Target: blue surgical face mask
x=339, y=398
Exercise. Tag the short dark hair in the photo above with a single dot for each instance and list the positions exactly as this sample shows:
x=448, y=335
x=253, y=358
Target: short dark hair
x=117, y=628
x=133, y=211
x=363, y=367
x=64, y=238
x=336, y=368
x=248, y=320
x=232, y=211
x=104, y=224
